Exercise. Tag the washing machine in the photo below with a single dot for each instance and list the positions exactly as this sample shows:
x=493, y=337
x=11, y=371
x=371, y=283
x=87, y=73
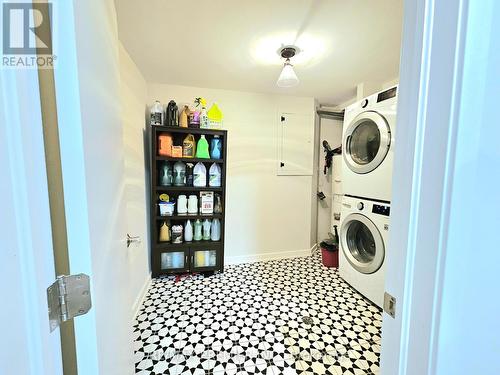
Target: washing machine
x=368, y=146
x=364, y=232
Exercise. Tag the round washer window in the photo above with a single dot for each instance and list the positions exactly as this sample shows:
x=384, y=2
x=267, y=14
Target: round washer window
x=365, y=142
x=360, y=242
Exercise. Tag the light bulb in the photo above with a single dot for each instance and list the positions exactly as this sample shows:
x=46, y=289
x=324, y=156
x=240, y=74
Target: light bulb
x=287, y=78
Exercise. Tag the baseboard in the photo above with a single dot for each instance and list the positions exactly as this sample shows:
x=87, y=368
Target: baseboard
x=140, y=298
x=239, y=259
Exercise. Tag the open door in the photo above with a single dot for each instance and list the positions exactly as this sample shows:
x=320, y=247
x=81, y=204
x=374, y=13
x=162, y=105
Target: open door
x=87, y=82
x=26, y=256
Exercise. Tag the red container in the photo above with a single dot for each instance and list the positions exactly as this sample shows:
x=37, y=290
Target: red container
x=330, y=256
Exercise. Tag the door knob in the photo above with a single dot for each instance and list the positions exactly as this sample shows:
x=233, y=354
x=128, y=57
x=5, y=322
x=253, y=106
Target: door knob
x=132, y=239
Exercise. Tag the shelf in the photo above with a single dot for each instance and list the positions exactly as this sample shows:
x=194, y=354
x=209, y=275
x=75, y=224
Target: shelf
x=188, y=188
x=177, y=129
x=185, y=245
x=189, y=160
x=188, y=217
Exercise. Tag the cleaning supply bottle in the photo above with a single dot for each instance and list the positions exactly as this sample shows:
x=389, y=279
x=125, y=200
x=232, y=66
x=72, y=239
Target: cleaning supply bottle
x=189, y=174
x=184, y=117
x=189, y=147
x=216, y=147
x=215, y=230
x=197, y=236
x=200, y=175
x=164, y=235
x=215, y=117
x=165, y=143
x=203, y=115
x=206, y=229
x=156, y=114
x=202, y=148
x=179, y=174
x=214, y=175
x=165, y=175
x=188, y=231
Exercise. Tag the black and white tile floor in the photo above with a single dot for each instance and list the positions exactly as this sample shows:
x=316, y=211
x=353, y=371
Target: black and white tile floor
x=290, y=316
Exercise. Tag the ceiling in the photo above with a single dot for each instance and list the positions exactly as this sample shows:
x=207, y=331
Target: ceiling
x=230, y=44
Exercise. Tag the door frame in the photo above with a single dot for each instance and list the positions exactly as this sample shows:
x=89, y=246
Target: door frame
x=433, y=83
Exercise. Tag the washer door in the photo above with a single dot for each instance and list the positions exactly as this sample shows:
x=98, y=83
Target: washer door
x=366, y=143
x=362, y=243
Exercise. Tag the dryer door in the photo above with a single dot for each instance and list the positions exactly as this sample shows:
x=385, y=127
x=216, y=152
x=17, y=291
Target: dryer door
x=366, y=142
x=362, y=243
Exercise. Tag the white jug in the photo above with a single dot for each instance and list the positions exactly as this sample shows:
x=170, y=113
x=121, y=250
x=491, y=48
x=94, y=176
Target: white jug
x=192, y=205
x=182, y=205
x=188, y=231
x=214, y=175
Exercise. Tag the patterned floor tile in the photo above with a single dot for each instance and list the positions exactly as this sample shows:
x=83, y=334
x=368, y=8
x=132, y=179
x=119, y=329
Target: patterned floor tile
x=290, y=316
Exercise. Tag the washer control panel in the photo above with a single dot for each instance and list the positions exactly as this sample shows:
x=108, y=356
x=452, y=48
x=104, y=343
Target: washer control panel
x=381, y=209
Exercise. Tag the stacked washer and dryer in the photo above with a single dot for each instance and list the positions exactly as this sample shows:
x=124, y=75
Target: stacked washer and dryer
x=368, y=147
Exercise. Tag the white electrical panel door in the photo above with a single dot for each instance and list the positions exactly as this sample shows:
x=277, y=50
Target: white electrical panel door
x=295, y=144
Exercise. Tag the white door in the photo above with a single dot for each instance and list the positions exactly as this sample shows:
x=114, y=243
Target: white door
x=330, y=130
x=87, y=80
x=26, y=255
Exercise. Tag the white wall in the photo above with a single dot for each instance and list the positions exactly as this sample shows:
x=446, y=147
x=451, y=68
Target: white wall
x=266, y=216
x=133, y=94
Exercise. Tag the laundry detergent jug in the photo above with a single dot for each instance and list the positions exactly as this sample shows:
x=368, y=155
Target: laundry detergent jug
x=206, y=229
x=179, y=174
x=165, y=175
x=215, y=175
x=189, y=147
x=188, y=231
x=156, y=114
x=202, y=148
x=216, y=147
x=200, y=175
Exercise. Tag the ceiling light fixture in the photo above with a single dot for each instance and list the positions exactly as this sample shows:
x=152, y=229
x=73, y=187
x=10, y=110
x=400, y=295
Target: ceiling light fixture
x=288, y=78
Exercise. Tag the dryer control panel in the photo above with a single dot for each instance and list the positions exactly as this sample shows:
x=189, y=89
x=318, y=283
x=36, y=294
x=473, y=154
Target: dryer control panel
x=381, y=209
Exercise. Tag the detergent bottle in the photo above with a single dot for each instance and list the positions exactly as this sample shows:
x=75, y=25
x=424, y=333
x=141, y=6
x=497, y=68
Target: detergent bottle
x=200, y=175
x=189, y=147
x=202, y=148
x=216, y=147
x=203, y=114
x=214, y=175
x=215, y=230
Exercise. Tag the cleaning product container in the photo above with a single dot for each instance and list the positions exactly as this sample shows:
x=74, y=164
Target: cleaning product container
x=216, y=147
x=189, y=146
x=202, y=148
x=329, y=253
x=165, y=143
x=214, y=117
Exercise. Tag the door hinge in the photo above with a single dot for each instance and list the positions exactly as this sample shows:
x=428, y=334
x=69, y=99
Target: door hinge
x=67, y=297
x=390, y=304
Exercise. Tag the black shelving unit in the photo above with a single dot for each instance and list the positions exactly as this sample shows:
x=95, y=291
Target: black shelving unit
x=186, y=253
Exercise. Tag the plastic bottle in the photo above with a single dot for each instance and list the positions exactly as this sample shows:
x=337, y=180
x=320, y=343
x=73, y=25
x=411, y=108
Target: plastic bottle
x=184, y=117
x=156, y=114
x=215, y=230
x=189, y=146
x=200, y=175
x=189, y=174
x=206, y=229
x=215, y=175
x=164, y=233
x=197, y=236
x=202, y=148
x=216, y=147
x=179, y=174
x=203, y=115
x=188, y=231
x=166, y=175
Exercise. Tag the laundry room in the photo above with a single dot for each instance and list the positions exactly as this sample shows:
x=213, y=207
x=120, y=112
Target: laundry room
x=249, y=187
x=268, y=157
